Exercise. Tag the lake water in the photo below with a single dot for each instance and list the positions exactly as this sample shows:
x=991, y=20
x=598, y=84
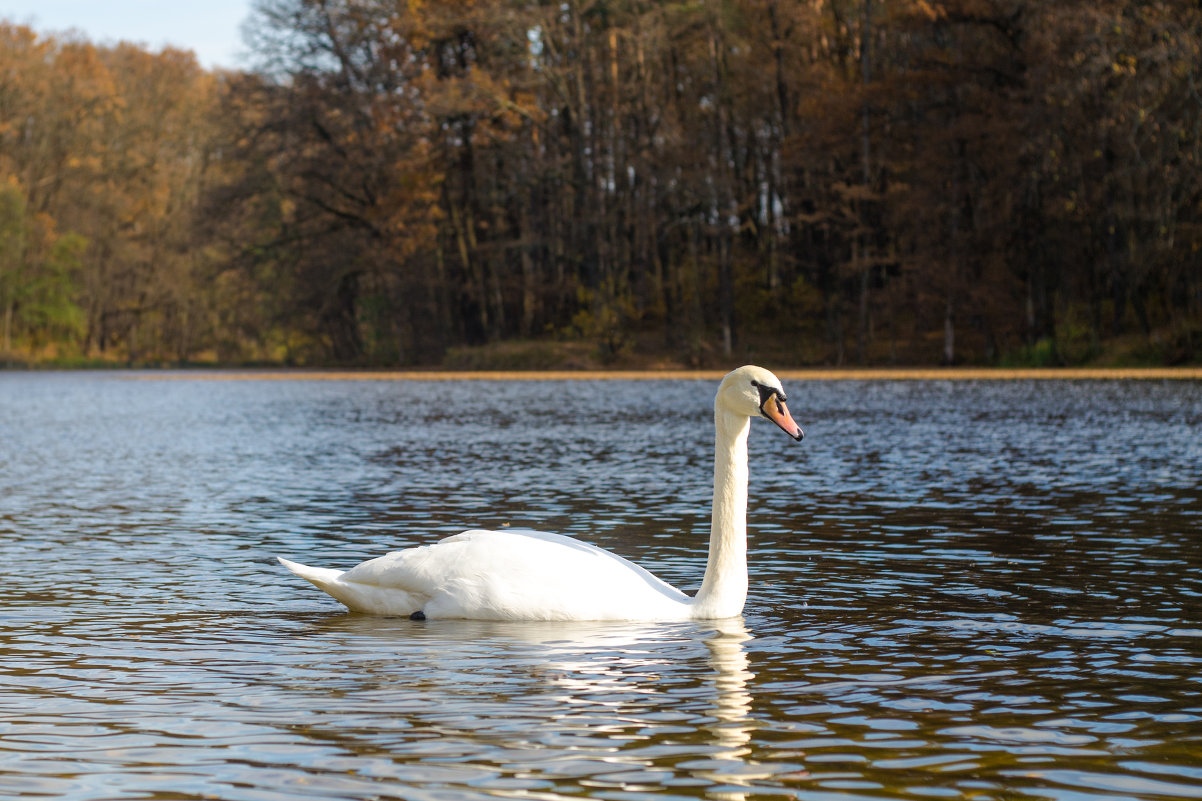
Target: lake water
x=977, y=590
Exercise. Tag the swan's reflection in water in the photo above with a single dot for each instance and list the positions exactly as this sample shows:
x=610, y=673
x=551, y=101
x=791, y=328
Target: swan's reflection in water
x=733, y=764
x=732, y=701
x=630, y=706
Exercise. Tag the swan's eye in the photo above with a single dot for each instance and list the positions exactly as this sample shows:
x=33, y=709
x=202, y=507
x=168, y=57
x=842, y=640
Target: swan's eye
x=766, y=393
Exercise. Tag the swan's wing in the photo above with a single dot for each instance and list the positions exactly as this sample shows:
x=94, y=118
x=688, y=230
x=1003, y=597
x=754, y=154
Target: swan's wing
x=526, y=575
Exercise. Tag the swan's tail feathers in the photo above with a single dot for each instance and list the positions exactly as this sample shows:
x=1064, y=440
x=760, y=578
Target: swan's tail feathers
x=358, y=597
x=322, y=577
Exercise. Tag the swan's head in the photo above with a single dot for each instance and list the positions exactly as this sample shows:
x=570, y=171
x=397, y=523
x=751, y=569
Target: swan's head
x=755, y=392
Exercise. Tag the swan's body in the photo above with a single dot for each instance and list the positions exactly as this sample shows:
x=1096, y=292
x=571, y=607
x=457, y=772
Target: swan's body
x=530, y=575
x=527, y=575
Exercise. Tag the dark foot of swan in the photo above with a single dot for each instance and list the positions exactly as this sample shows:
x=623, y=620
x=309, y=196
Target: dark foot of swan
x=418, y=615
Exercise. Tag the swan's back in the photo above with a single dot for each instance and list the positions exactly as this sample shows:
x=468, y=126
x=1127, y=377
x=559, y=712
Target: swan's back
x=507, y=575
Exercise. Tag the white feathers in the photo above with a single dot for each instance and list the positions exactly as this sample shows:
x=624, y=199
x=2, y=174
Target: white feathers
x=529, y=575
x=504, y=575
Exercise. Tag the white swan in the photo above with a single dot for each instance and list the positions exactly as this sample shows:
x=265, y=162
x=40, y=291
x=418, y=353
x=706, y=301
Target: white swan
x=528, y=575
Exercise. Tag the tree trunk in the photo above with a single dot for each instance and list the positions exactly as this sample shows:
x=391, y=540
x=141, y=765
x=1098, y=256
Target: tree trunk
x=726, y=293
x=8, y=328
x=865, y=238
x=949, y=332
x=341, y=320
x=466, y=245
x=726, y=209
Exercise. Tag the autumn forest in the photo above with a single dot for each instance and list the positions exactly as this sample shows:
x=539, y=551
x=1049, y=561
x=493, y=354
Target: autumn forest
x=507, y=183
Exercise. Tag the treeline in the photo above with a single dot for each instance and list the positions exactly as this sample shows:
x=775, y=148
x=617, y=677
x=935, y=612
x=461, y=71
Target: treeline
x=103, y=158
x=869, y=181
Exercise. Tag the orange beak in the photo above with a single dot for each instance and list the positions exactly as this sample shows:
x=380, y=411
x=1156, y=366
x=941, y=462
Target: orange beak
x=775, y=410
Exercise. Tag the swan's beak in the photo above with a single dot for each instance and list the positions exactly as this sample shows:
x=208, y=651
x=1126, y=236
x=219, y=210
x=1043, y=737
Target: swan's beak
x=775, y=410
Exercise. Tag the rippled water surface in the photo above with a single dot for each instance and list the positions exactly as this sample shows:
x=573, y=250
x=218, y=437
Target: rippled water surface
x=979, y=590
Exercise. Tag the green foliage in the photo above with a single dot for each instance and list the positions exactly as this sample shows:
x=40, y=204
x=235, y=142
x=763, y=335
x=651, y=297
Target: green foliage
x=52, y=306
x=605, y=317
x=38, y=277
x=1042, y=354
x=12, y=226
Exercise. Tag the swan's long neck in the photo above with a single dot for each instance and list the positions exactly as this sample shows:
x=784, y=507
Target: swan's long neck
x=724, y=589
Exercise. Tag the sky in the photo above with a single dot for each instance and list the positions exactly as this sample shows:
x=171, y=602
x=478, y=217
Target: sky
x=212, y=29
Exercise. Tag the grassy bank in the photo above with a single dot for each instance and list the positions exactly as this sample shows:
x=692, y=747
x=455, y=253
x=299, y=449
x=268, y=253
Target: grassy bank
x=647, y=355
x=791, y=374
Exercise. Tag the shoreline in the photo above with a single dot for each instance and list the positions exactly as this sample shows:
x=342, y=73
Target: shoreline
x=791, y=374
